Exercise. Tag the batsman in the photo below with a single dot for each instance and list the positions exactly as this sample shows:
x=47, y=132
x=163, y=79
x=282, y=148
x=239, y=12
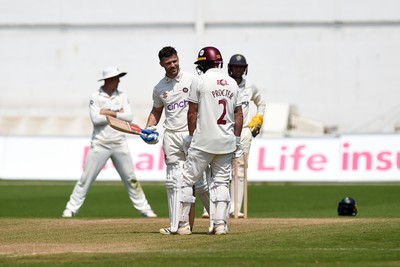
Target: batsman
x=170, y=96
x=237, y=69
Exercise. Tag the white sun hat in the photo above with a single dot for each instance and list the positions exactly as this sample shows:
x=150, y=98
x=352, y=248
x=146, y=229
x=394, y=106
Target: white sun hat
x=111, y=72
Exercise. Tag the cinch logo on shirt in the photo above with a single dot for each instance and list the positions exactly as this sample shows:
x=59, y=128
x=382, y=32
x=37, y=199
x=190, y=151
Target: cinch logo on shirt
x=182, y=104
x=222, y=82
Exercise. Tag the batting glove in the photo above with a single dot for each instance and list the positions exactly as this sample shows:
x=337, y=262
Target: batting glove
x=239, y=148
x=255, y=124
x=149, y=135
x=187, y=140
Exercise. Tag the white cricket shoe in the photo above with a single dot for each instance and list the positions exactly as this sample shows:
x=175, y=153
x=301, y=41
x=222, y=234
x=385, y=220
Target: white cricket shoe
x=184, y=230
x=148, y=214
x=68, y=213
x=240, y=215
x=220, y=229
x=166, y=231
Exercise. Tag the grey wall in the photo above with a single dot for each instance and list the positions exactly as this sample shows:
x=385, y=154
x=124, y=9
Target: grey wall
x=337, y=61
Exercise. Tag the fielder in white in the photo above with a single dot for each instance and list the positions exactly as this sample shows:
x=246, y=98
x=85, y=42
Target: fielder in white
x=171, y=95
x=215, y=122
x=237, y=69
x=108, y=143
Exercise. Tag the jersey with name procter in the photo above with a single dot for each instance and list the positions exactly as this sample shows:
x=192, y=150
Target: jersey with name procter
x=217, y=96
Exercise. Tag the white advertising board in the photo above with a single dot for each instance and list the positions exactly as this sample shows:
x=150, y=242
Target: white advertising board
x=348, y=158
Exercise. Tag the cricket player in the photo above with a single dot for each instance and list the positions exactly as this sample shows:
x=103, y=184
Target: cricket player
x=108, y=143
x=249, y=92
x=215, y=123
x=171, y=95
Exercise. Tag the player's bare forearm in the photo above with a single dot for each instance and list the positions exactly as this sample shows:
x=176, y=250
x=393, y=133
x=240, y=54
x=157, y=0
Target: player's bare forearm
x=154, y=116
x=192, y=117
x=238, y=121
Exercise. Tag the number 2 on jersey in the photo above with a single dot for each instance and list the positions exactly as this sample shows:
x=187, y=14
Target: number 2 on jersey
x=221, y=119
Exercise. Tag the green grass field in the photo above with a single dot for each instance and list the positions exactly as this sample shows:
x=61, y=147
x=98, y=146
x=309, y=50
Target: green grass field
x=288, y=225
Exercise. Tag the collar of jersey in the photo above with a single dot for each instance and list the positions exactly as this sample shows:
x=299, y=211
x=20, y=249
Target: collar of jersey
x=116, y=92
x=177, y=77
x=214, y=70
x=242, y=83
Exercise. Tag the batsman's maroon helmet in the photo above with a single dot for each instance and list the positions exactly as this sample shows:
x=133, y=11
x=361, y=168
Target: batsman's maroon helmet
x=237, y=60
x=209, y=57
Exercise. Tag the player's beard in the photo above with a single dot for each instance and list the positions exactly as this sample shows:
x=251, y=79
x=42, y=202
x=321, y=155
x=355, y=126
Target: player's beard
x=173, y=72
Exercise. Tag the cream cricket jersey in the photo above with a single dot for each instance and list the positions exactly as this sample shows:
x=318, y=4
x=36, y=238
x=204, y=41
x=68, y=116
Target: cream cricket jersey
x=101, y=100
x=172, y=94
x=217, y=96
x=249, y=92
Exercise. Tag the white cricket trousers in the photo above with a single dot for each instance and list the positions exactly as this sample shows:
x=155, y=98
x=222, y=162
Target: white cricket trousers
x=195, y=165
x=97, y=157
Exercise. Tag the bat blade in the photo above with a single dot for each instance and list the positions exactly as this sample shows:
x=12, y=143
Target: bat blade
x=123, y=126
x=192, y=215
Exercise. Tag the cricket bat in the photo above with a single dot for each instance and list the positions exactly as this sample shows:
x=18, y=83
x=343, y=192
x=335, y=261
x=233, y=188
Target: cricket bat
x=245, y=196
x=123, y=126
x=192, y=213
x=236, y=189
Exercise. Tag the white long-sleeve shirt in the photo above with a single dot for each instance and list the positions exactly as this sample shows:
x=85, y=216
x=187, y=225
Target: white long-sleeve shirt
x=249, y=92
x=101, y=100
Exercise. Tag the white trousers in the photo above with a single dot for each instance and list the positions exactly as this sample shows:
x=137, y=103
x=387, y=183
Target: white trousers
x=97, y=157
x=175, y=156
x=174, y=159
x=193, y=170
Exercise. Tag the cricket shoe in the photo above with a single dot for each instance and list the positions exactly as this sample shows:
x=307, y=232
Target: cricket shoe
x=68, y=213
x=148, y=214
x=184, y=230
x=219, y=229
x=240, y=215
x=166, y=231
x=181, y=231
